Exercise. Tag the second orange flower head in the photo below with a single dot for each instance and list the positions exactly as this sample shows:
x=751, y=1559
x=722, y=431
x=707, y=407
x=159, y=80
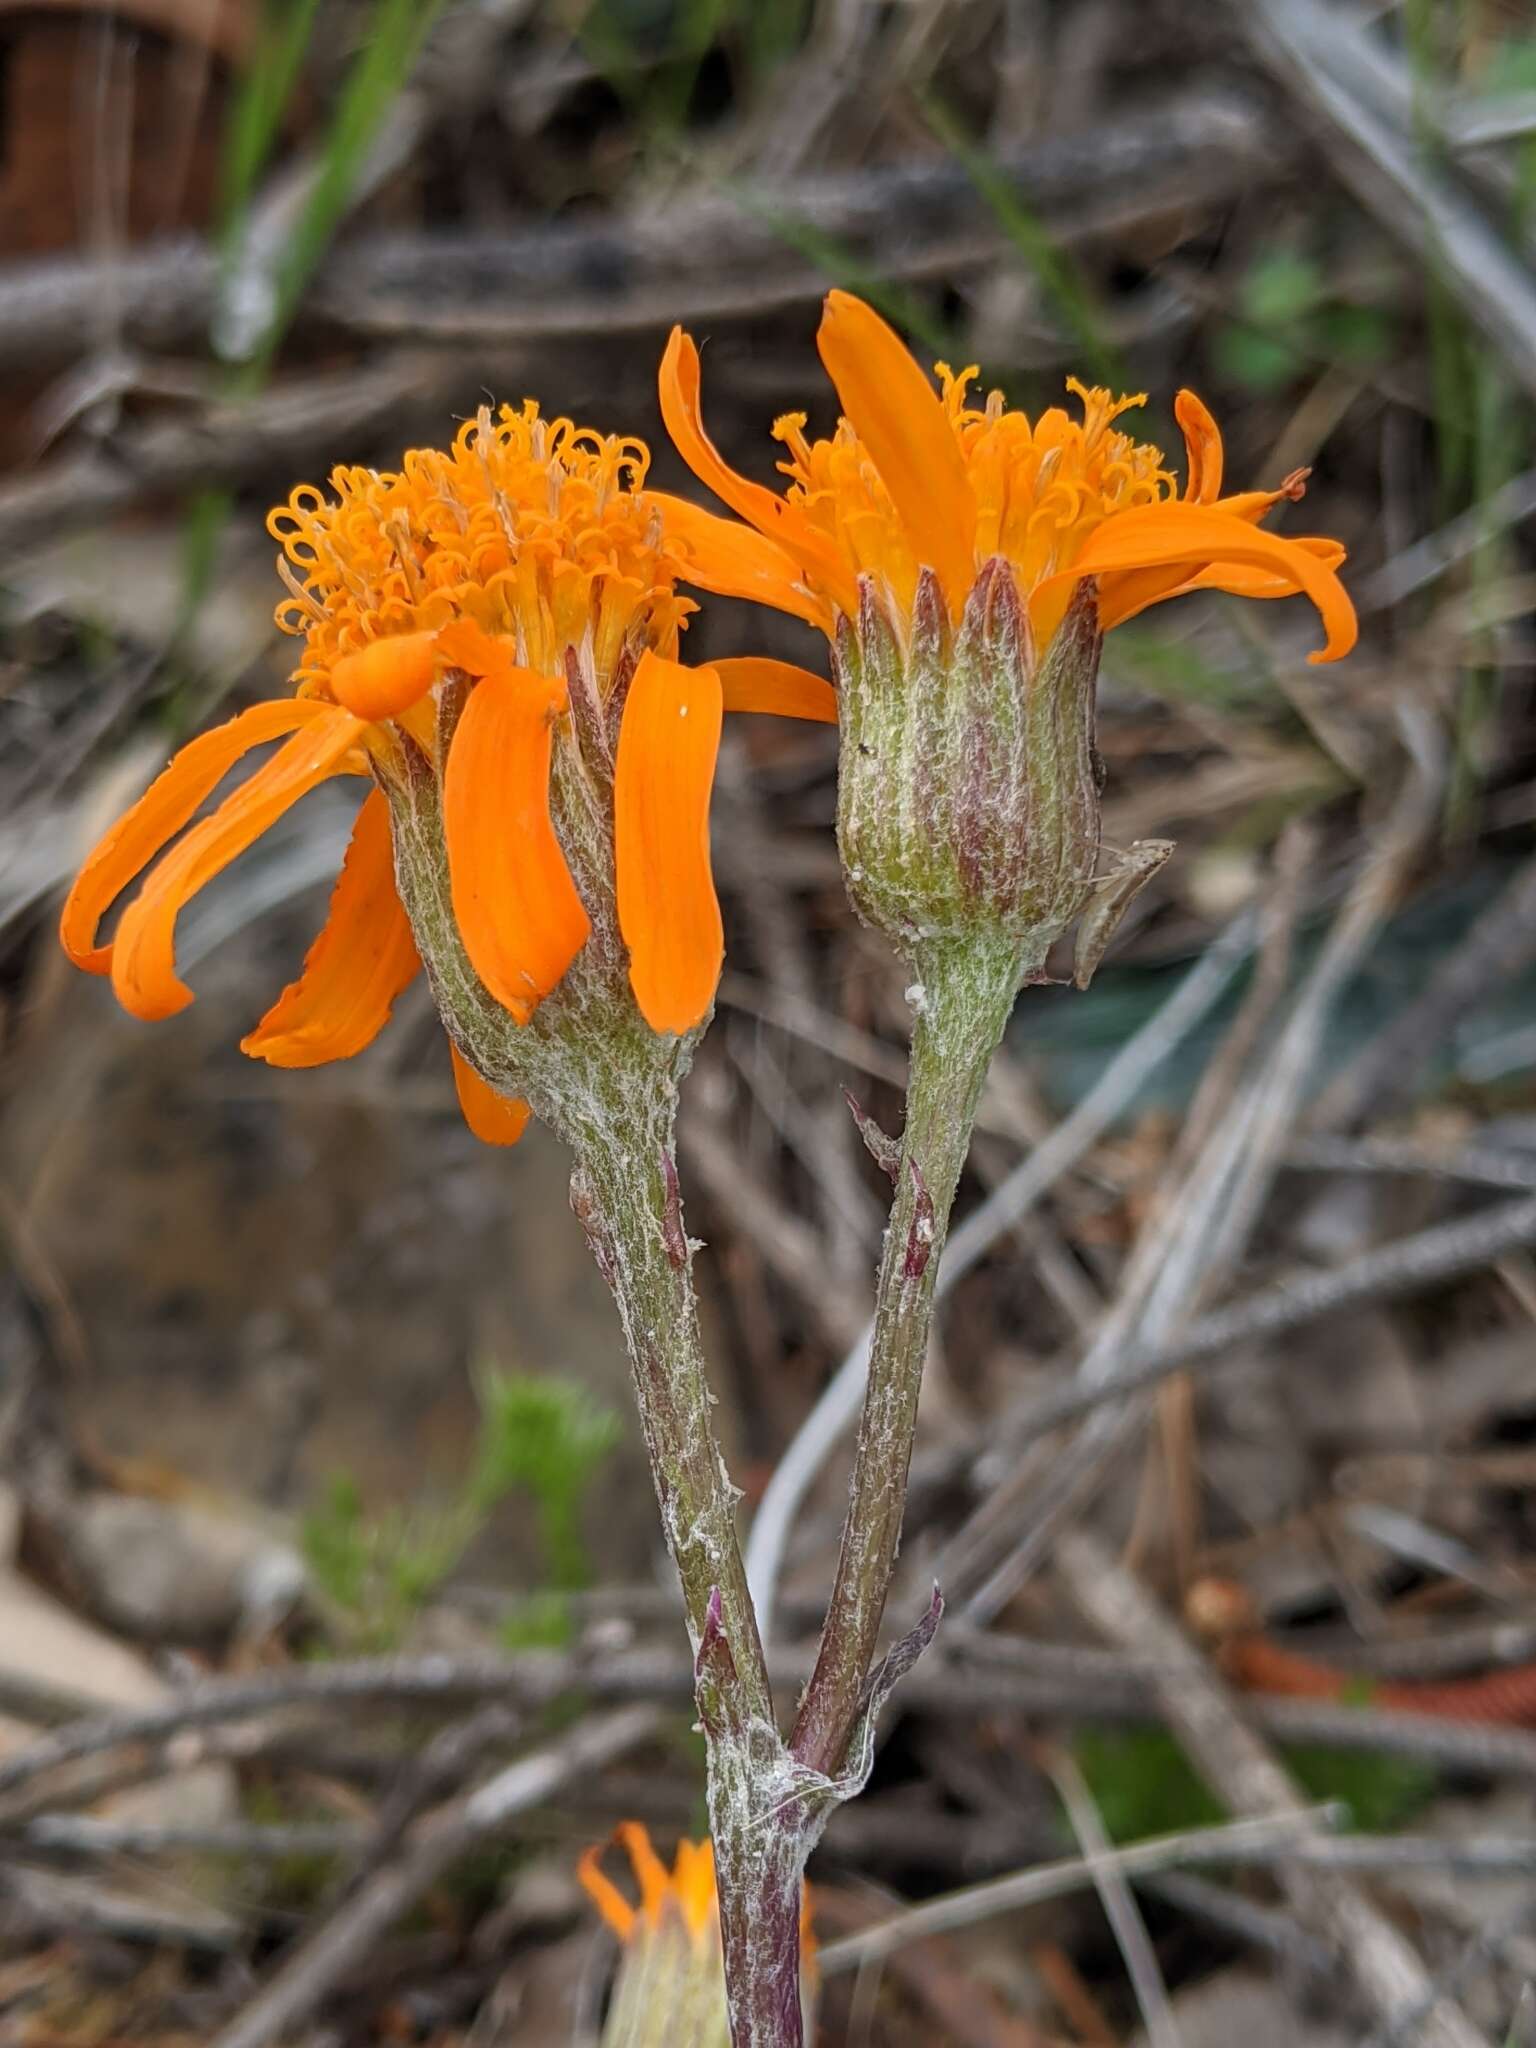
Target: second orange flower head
x=966, y=561
x=915, y=479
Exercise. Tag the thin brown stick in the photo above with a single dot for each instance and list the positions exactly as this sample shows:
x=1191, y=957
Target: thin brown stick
x=1408, y=1265
x=1241, y=1771
x=699, y=254
x=1500, y=944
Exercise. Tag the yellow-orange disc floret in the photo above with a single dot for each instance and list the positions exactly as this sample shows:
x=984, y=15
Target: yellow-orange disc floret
x=537, y=530
x=1040, y=487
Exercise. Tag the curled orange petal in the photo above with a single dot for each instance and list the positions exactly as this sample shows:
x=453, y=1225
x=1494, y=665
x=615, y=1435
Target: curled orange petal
x=604, y=1893
x=387, y=676
x=144, y=953
x=365, y=955
x=153, y=822
x=650, y=1871
x=1192, y=539
x=465, y=644
x=897, y=415
x=1125, y=596
x=1202, y=446
x=678, y=383
x=668, y=911
x=737, y=561
x=494, y=1119
x=751, y=682
x=517, y=909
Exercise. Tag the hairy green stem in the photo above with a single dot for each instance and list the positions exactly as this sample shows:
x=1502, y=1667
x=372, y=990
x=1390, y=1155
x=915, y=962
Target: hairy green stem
x=624, y=1190
x=608, y=1085
x=962, y=1003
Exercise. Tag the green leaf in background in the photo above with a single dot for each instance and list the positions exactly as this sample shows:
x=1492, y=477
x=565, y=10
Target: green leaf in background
x=1281, y=288
x=538, y=1436
x=1359, y=335
x=1287, y=324
x=1260, y=363
x=1143, y=1784
x=545, y=1437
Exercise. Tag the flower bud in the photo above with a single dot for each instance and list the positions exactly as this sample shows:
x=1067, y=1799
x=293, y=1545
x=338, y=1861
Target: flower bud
x=968, y=797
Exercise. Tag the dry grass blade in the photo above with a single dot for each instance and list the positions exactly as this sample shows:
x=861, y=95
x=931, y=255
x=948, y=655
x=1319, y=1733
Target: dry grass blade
x=1299, y=40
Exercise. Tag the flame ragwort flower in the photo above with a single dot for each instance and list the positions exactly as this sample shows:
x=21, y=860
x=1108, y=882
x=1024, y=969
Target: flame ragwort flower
x=914, y=479
x=965, y=561
x=670, y=1989
x=503, y=614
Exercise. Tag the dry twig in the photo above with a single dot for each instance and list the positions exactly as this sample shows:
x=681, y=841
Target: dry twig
x=1242, y=1773
x=430, y=1848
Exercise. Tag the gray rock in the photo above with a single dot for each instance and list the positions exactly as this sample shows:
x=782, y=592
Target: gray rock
x=1239, y=2007
x=170, y=1573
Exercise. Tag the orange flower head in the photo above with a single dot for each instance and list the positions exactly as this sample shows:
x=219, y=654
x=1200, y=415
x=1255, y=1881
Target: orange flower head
x=671, y=1984
x=491, y=636
x=913, y=479
x=966, y=560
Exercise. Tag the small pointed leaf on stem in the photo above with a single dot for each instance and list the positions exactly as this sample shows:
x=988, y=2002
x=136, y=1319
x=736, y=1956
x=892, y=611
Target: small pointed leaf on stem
x=672, y=1214
x=714, y=1671
x=882, y=1148
x=859, y=1758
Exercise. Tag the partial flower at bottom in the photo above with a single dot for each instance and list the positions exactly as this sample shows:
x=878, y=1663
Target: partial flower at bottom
x=669, y=1990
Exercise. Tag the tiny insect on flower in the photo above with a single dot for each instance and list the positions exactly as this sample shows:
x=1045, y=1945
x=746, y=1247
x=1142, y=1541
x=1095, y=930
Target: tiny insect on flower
x=670, y=1988
x=504, y=617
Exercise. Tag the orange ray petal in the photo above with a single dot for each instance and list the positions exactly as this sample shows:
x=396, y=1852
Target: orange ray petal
x=144, y=954
x=678, y=382
x=1202, y=447
x=465, y=644
x=650, y=1871
x=737, y=561
x=517, y=909
x=751, y=682
x=1244, y=580
x=365, y=955
x=693, y=1884
x=1124, y=597
x=668, y=912
x=1193, y=538
x=897, y=415
x=604, y=1893
x=494, y=1119
x=132, y=843
x=387, y=676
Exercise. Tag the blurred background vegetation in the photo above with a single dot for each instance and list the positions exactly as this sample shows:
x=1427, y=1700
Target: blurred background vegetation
x=291, y=1371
